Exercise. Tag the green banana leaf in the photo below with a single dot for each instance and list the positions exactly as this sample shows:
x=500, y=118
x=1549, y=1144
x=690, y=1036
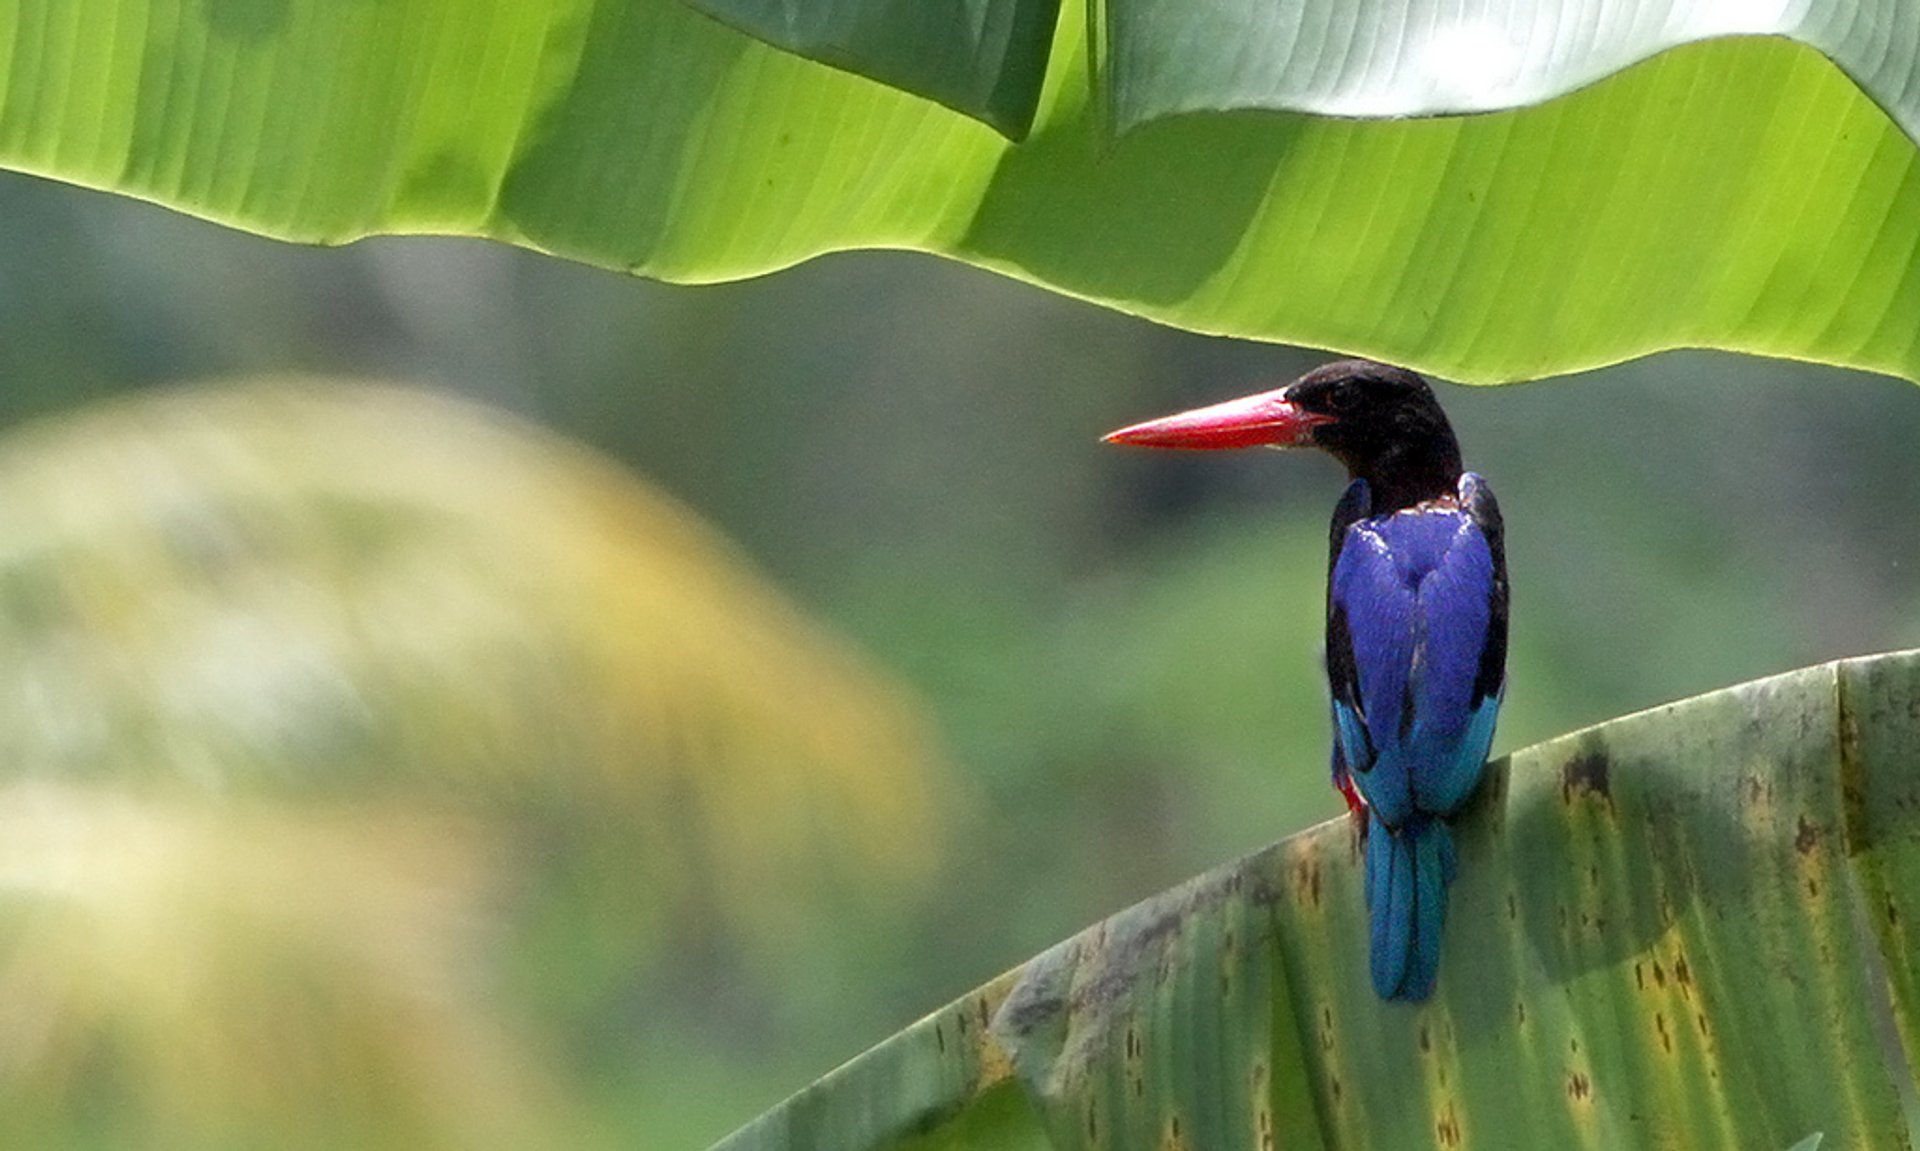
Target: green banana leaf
x=988, y=58
x=1730, y=192
x=1676, y=929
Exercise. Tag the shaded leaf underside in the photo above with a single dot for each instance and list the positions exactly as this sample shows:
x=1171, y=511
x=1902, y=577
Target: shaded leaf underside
x=1735, y=193
x=1644, y=910
x=982, y=58
x=1362, y=58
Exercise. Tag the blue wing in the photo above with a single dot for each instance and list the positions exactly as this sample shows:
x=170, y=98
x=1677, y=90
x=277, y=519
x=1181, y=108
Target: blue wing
x=1416, y=602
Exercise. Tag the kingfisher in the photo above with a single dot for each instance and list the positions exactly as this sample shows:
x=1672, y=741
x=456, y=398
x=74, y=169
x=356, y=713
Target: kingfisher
x=1416, y=627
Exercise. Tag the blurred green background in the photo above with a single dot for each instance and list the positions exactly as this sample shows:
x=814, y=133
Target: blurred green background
x=1098, y=669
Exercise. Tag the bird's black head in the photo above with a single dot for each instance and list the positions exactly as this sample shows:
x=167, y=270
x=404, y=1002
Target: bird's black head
x=1385, y=425
x=1382, y=422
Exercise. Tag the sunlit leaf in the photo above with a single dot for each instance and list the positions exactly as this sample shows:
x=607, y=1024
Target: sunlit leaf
x=1644, y=910
x=1737, y=192
x=1428, y=57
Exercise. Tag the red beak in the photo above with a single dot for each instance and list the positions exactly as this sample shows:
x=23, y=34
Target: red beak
x=1251, y=421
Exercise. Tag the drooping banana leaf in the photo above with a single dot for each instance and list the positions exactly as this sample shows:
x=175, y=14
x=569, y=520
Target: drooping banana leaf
x=1676, y=929
x=1729, y=192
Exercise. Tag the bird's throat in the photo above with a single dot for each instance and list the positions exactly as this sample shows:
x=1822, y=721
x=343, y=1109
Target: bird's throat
x=1408, y=474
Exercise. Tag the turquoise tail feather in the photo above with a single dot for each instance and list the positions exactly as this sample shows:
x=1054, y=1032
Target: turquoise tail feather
x=1408, y=871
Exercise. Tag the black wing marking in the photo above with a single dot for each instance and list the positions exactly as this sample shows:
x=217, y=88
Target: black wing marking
x=1477, y=498
x=1343, y=678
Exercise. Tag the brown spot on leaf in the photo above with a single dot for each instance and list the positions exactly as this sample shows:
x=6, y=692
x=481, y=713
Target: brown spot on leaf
x=1175, y=1140
x=1700, y=1021
x=1030, y=1007
x=1446, y=1128
x=1660, y=1025
x=940, y=1038
x=1659, y=974
x=1579, y=1087
x=1333, y=1082
x=1639, y=977
x=1588, y=773
x=1426, y=1041
x=1808, y=836
x=1520, y=1009
x=1893, y=912
x=1513, y=907
x=1681, y=973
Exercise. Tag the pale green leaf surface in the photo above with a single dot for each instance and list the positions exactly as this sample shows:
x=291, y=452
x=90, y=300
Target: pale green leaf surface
x=946, y=1080
x=1880, y=702
x=1736, y=193
x=1643, y=910
x=1428, y=57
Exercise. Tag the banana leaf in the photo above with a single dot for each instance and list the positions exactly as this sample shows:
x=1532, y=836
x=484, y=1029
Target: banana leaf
x=1690, y=927
x=1735, y=192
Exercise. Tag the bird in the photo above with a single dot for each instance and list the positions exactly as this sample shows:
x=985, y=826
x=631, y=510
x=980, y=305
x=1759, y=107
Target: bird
x=1416, y=627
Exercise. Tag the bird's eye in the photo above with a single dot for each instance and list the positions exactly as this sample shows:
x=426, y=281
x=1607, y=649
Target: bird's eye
x=1344, y=397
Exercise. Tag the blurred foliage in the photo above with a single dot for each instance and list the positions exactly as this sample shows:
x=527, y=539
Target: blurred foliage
x=177, y=974
x=1120, y=649
x=474, y=669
